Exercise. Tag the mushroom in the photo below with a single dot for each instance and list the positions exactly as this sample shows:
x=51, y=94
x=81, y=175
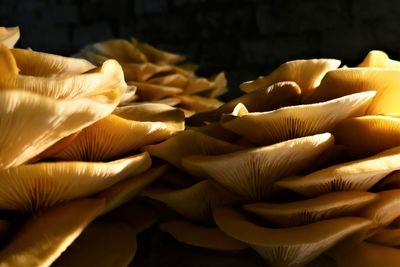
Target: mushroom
x=35, y=186
x=330, y=205
x=306, y=73
x=32, y=123
x=386, y=237
x=43, y=238
x=359, y=175
x=115, y=135
x=32, y=63
x=9, y=36
x=366, y=254
x=379, y=132
x=199, y=236
x=189, y=143
x=252, y=172
x=298, y=121
x=295, y=246
x=148, y=91
x=341, y=82
x=195, y=202
x=378, y=59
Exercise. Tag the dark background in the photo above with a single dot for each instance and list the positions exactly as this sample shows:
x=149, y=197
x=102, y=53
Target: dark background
x=244, y=38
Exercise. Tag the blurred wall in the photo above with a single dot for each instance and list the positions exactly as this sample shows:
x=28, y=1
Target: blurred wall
x=246, y=38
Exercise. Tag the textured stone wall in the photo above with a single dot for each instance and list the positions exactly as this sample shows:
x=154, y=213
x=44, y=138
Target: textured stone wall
x=246, y=38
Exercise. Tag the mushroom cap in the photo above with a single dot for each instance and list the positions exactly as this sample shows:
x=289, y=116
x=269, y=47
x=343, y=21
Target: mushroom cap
x=200, y=236
x=252, y=172
x=330, y=205
x=195, y=202
x=189, y=143
x=340, y=82
x=32, y=123
x=116, y=135
x=298, y=121
x=366, y=254
x=150, y=92
x=295, y=246
x=359, y=175
x=198, y=103
x=101, y=244
x=32, y=63
x=277, y=95
x=9, y=36
x=35, y=186
x=125, y=190
x=306, y=73
x=368, y=135
x=141, y=72
x=173, y=80
x=46, y=235
x=378, y=59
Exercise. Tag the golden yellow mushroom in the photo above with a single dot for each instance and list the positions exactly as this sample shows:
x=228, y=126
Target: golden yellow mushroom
x=252, y=172
x=306, y=73
x=156, y=55
x=359, y=175
x=189, y=143
x=295, y=246
x=46, y=235
x=150, y=92
x=36, y=186
x=9, y=36
x=378, y=59
x=341, y=82
x=298, y=121
x=32, y=63
x=200, y=236
x=330, y=205
x=386, y=237
x=194, y=202
x=32, y=123
x=368, y=135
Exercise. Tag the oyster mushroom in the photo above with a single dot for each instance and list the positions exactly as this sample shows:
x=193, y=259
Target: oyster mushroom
x=298, y=121
x=9, y=36
x=330, y=205
x=306, y=73
x=252, y=172
x=378, y=59
x=295, y=246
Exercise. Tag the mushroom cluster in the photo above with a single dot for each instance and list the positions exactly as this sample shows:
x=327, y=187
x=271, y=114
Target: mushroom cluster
x=159, y=76
x=70, y=153
x=303, y=168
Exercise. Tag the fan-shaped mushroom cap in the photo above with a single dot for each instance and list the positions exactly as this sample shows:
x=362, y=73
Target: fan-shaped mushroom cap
x=391, y=181
x=275, y=96
x=40, y=185
x=368, y=135
x=200, y=236
x=340, y=82
x=215, y=130
x=125, y=190
x=378, y=59
x=189, y=143
x=115, y=135
x=298, y=121
x=359, y=175
x=306, y=73
x=31, y=123
x=143, y=71
x=156, y=55
x=101, y=244
x=46, y=235
x=366, y=254
x=195, y=202
x=386, y=237
x=198, y=103
x=252, y=172
x=121, y=50
x=110, y=74
x=383, y=210
x=327, y=206
x=9, y=36
x=174, y=80
x=48, y=65
x=295, y=246
x=148, y=91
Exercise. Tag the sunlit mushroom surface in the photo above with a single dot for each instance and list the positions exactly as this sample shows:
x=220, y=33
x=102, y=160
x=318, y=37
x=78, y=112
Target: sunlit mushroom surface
x=303, y=169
